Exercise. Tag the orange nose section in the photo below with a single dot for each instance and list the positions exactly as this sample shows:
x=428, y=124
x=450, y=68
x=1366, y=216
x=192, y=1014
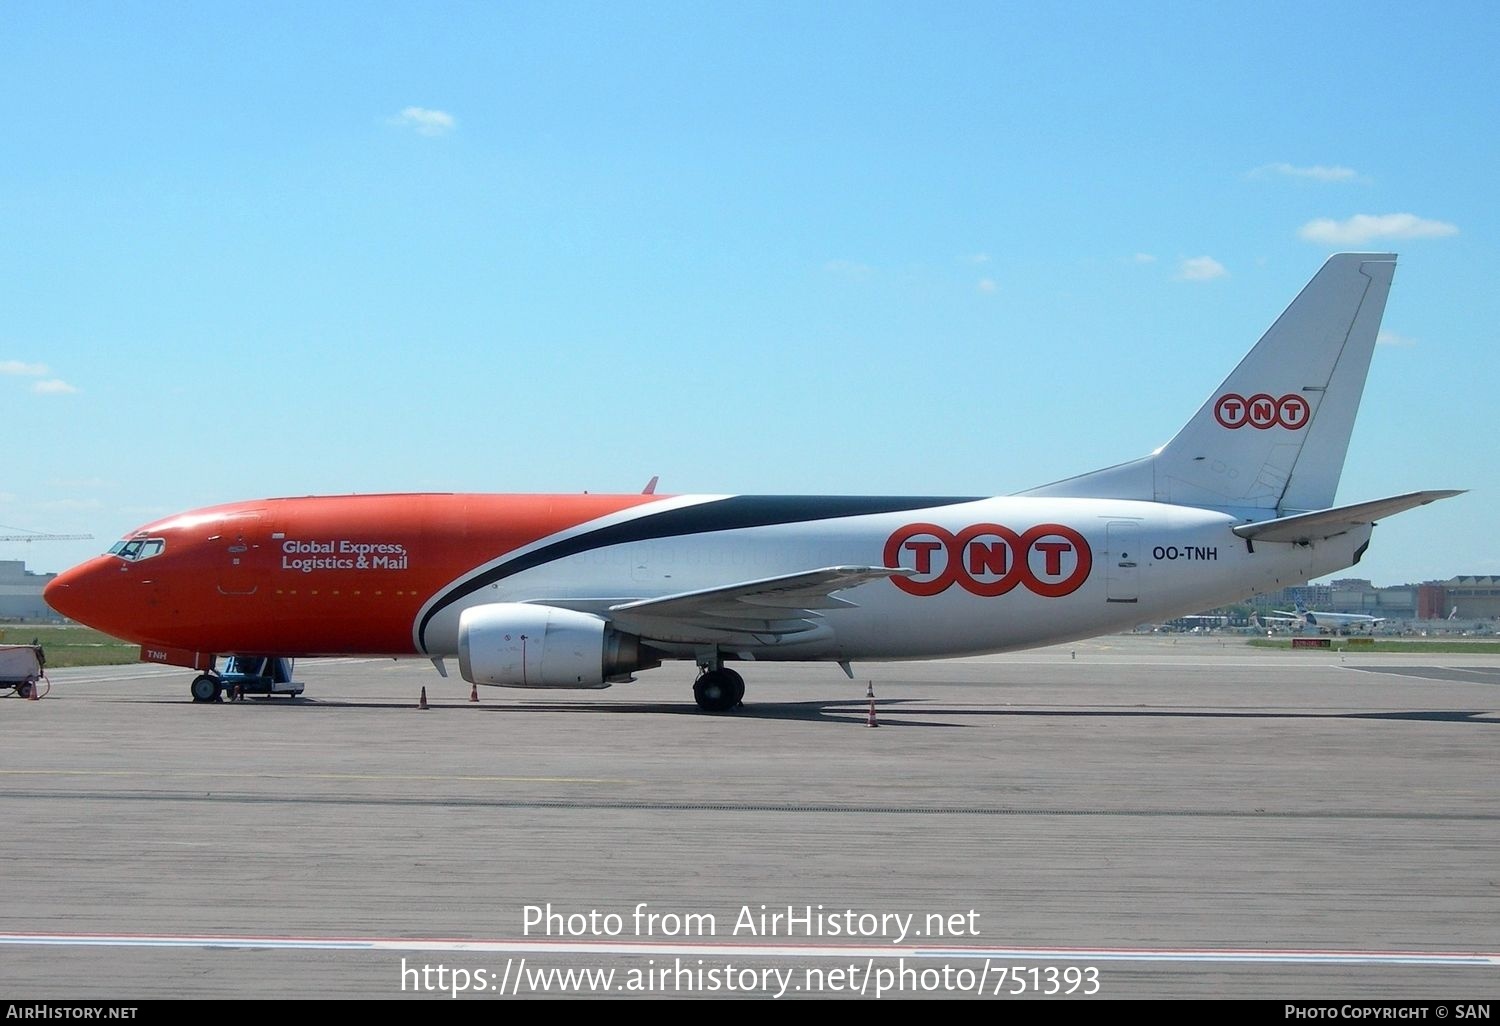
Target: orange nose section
x=101, y=593
x=62, y=592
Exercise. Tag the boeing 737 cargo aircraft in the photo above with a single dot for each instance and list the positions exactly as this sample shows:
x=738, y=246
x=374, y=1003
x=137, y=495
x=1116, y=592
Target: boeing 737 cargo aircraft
x=581, y=591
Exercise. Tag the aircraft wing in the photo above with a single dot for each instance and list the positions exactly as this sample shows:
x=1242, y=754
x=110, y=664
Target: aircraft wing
x=766, y=610
x=1328, y=523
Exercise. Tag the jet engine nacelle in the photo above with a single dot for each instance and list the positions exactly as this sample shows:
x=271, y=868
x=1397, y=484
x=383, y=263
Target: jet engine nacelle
x=519, y=645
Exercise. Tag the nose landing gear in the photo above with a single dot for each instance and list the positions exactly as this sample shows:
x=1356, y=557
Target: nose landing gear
x=205, y=688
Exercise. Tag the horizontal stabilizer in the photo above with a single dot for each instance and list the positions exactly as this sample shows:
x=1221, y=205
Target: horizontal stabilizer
x=1327, y=523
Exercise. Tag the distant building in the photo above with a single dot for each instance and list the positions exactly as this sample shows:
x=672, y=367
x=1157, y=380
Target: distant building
x=1355, y=595
x=1475, y=598
x=21, y=593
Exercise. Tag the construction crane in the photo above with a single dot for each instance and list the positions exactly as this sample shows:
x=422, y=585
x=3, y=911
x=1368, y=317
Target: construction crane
x=45, y=537
x=31, y=536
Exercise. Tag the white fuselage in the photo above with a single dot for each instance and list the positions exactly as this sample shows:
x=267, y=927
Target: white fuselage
x=972, y=590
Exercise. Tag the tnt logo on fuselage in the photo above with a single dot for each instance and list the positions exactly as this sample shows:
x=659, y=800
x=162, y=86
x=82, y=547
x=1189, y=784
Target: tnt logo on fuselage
x=1262, y=411
x=988, y=560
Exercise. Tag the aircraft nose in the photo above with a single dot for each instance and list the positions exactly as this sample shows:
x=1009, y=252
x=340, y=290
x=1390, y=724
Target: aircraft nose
x=88, y=593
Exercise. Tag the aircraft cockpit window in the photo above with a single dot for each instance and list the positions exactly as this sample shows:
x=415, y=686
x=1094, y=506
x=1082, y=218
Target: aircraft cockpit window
x=137, y=549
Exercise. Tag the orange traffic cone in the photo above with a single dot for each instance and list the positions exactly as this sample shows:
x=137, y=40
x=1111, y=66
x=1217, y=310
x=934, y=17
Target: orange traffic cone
x=422, y=702
x=474, y=693
x=870, y=694
x=31, y=692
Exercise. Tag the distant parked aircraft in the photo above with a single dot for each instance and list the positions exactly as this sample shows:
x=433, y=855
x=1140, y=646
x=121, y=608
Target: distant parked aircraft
x=1328, y=621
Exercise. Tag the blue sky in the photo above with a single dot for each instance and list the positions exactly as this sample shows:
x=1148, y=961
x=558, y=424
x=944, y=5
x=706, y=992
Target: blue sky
x=281, y=249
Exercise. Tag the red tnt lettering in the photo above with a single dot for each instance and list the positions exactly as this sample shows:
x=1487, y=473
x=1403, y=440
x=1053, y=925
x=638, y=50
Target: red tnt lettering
x=1292, y=411
x=1263, y=412
x=924, y=550
x=1053, y=552
x=1230, y=411
x=993, y=558
x=1005, y=562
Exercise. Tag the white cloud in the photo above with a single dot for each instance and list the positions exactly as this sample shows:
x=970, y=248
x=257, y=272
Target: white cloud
x=34, y=370
x=979, y=258
x=1143, y=258
x=1362, y=228
x=1204, y=268
x=53, y=386
x=1317, y=172
x=987, y=286
x=424, y=121
x=1390, y=338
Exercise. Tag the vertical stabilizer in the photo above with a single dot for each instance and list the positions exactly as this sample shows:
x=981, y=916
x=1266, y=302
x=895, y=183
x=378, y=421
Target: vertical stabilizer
x=1275, y=433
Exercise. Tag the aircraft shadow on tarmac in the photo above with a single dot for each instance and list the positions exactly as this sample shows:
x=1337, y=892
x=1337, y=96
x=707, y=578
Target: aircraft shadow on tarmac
x=834, y=711
x=906, y=711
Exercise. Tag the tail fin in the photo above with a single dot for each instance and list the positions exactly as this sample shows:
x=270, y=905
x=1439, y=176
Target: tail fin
x=1274, y=435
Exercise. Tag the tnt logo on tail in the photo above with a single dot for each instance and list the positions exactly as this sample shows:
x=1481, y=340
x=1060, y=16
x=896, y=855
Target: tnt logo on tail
x=1262, y=411
x=989, y=560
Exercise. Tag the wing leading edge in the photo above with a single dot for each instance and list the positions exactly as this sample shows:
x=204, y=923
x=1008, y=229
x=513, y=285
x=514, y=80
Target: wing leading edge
x=1304, y=528
x=767, y=610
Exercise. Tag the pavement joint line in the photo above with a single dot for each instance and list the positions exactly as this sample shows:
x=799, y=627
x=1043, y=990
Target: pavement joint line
x=768, y=950
x=820, y=808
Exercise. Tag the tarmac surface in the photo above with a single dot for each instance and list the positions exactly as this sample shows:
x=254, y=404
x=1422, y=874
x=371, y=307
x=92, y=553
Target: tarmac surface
x=1141, y=816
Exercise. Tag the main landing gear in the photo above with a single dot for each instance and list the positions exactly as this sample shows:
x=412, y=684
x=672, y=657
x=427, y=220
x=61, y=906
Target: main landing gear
x=719, y=690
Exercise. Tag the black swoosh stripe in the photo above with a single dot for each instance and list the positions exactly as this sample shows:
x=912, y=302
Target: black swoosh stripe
x=731, y=514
